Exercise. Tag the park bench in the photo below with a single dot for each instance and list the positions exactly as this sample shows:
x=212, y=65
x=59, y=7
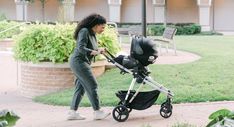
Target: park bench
x=167, y=39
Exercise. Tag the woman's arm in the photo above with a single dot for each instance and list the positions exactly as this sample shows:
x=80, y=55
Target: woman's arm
x=82, y=42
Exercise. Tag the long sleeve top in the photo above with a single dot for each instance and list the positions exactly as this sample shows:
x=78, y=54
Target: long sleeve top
x=86, y=42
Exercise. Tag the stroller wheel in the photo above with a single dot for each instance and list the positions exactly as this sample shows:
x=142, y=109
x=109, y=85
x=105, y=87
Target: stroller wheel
x=120, y=113
x=120, y=103
x=129, y=109
x=166, y=110
x=166, y=103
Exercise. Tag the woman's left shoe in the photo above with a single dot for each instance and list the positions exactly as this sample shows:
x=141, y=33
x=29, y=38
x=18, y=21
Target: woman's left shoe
x=72, y=115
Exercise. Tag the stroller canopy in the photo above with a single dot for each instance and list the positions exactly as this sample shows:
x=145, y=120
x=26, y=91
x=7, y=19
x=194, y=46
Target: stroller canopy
x=144, y=50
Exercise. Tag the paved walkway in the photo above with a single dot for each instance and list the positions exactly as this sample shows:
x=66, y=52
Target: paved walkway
x=39, y=115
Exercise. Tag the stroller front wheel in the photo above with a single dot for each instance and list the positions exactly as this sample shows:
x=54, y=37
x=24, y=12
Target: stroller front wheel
x=166, y=110
x=120, y=113
x=121, y=103
x=165, y=104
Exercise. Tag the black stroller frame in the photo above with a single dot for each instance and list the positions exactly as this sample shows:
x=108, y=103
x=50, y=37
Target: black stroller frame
x=132, y=99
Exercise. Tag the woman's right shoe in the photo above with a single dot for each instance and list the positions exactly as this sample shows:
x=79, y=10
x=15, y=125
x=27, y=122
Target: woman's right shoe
x=99, y=115
x=72, y=115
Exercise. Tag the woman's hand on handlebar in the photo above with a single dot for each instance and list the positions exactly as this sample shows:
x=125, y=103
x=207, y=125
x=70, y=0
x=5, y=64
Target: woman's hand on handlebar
x=98, y=51
x=94, y=53
x=101, y=50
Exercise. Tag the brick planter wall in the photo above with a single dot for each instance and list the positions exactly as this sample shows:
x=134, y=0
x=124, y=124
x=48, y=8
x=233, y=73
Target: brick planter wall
x=6, y=43
x=98, y=68
x=44, y=78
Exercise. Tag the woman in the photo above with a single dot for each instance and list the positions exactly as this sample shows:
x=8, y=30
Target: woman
x=86, y=49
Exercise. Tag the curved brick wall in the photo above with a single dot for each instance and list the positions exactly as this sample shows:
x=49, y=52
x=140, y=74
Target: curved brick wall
x=39, y=79
x=44, y=78
x=6, y=43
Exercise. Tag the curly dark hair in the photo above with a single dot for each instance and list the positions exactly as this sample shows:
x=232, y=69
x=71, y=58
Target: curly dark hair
x=89, y=22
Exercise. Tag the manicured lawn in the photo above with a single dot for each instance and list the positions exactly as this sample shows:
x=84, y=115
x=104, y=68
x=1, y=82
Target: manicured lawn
x=209, y=79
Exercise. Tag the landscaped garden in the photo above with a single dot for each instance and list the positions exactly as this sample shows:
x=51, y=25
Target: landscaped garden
x=209, y=79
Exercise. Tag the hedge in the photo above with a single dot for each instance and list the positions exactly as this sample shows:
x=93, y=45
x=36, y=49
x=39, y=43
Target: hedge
x=156, y=29
x=6, y=25
x=182, y=29
x=53, y=43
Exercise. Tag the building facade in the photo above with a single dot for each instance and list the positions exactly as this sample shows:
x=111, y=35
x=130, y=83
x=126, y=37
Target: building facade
x=210, y=14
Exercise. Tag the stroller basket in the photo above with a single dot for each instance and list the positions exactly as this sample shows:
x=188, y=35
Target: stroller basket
x=142, y=101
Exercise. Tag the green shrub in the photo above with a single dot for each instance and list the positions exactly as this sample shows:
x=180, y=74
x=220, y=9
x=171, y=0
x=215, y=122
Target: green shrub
x=8, y=118
x=9, y=34
x=109, y=40
x=197, y=28
x=219, y=118
x=155, y=30
x=182, y=29
x=188, y=29
x=39, y=43
x=52, y=43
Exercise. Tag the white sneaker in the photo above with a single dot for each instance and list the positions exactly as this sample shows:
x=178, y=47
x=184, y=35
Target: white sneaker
x=99, y=115
x=73, y=115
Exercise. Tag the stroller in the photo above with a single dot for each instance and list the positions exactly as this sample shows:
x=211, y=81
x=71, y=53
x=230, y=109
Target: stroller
x=142, y=53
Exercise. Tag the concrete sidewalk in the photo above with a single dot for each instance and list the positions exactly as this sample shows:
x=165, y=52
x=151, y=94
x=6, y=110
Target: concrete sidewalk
x=39, y=115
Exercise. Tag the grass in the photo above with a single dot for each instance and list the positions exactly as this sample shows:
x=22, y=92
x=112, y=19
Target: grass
x=209, y=79
x=209, y=33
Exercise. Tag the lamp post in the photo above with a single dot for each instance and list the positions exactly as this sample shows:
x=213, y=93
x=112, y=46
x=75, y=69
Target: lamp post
x=144, y=18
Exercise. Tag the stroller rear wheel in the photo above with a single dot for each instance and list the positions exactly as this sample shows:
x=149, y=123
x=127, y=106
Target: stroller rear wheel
x=166, y=110
x=120, y=113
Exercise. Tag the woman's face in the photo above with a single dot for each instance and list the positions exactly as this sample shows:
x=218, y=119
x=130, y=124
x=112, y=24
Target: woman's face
x=99, y=28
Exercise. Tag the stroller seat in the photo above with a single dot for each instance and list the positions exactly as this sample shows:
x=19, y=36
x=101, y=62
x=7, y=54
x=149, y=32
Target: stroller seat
x=143, y=52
